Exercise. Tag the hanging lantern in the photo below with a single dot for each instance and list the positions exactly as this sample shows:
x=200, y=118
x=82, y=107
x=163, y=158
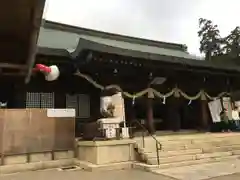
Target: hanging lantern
x=51, y=72
x=158, y=80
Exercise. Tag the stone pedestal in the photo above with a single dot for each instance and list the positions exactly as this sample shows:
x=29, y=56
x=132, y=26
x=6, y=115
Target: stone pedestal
x=106, y=152
x=109, y=125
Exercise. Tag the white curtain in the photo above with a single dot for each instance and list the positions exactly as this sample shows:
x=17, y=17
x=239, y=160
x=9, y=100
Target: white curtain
x=215, y=108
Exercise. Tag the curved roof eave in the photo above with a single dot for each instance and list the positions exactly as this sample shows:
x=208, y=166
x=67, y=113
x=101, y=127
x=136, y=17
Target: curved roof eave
x=74, y=43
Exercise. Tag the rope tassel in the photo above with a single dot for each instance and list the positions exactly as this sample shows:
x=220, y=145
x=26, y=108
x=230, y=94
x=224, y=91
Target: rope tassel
x=189, y=102
x=164, y=100
x=133, y=100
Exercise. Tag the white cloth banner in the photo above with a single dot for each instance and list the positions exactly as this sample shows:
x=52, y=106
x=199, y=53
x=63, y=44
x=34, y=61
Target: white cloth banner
x=215, y=108
x=235, y=115
x=237, y=104
x=227, y=105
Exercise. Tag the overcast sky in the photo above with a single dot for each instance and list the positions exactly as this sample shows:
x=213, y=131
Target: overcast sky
x=164, y=20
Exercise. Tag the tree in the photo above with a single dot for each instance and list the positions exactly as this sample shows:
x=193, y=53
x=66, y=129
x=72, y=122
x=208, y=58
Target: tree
x=210, y=39
x=232, y=43
x=185, y=48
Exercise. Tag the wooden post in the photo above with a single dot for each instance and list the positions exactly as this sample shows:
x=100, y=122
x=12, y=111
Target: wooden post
x=36, y=20
x=132, y=112
x=175, y=114
x=204, y=106
x=150, y=118
x=130, y=116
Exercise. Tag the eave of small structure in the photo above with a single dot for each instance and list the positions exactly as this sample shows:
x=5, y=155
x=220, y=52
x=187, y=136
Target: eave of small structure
x=20, y=22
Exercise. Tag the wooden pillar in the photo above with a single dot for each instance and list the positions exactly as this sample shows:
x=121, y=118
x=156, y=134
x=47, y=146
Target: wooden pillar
x=150, y=118
x=175, y=114
x=130, y=112
x=204, y=109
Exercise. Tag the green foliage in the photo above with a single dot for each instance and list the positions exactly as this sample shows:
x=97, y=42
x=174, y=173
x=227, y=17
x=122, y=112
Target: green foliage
x=212, y=44
x=185, y=48
x=210, y=39
x=232, y=43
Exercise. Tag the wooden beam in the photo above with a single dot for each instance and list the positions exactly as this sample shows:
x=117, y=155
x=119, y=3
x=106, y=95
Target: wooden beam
x=151, y=64
x=13, y=66
x=36, y=20
x=13, y=74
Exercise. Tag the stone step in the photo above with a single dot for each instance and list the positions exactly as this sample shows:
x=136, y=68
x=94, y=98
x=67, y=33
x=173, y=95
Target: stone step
x=198, y=137
x=173, y=153
x=208, y=145
x=196, y=141
x=213, y=155
x=200, y=161
x=234, y=147
x=236, y=152
x=151, y=146
x=206, y=138
x=153, y=168
x=171, y=159
x=188, y=157
x=150, y=143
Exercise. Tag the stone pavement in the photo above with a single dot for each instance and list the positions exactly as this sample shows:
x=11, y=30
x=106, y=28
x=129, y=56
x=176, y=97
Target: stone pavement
x=82, y=175
x=128, y=174
x=202, y=171
x=229, y=177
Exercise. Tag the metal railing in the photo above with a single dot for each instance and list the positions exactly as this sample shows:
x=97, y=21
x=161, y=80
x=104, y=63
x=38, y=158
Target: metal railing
x=144, y=130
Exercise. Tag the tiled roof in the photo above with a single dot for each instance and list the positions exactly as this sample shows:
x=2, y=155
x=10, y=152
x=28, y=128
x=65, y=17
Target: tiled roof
x=71, y=41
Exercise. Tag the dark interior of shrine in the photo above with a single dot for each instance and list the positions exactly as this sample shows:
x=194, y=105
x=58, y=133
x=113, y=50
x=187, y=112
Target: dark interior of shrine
x=188, y=114
x=133, y=75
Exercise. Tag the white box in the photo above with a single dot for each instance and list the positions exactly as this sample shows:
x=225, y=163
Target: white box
x=61, y=113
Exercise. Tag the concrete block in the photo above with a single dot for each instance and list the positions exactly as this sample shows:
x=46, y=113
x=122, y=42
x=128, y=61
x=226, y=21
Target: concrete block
x=58, y=163
x=63, y=155
x=8, y=169
x=38, y=157
x=104, y=167
x=14, y=168
x=106, y=152
x=15, y=159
